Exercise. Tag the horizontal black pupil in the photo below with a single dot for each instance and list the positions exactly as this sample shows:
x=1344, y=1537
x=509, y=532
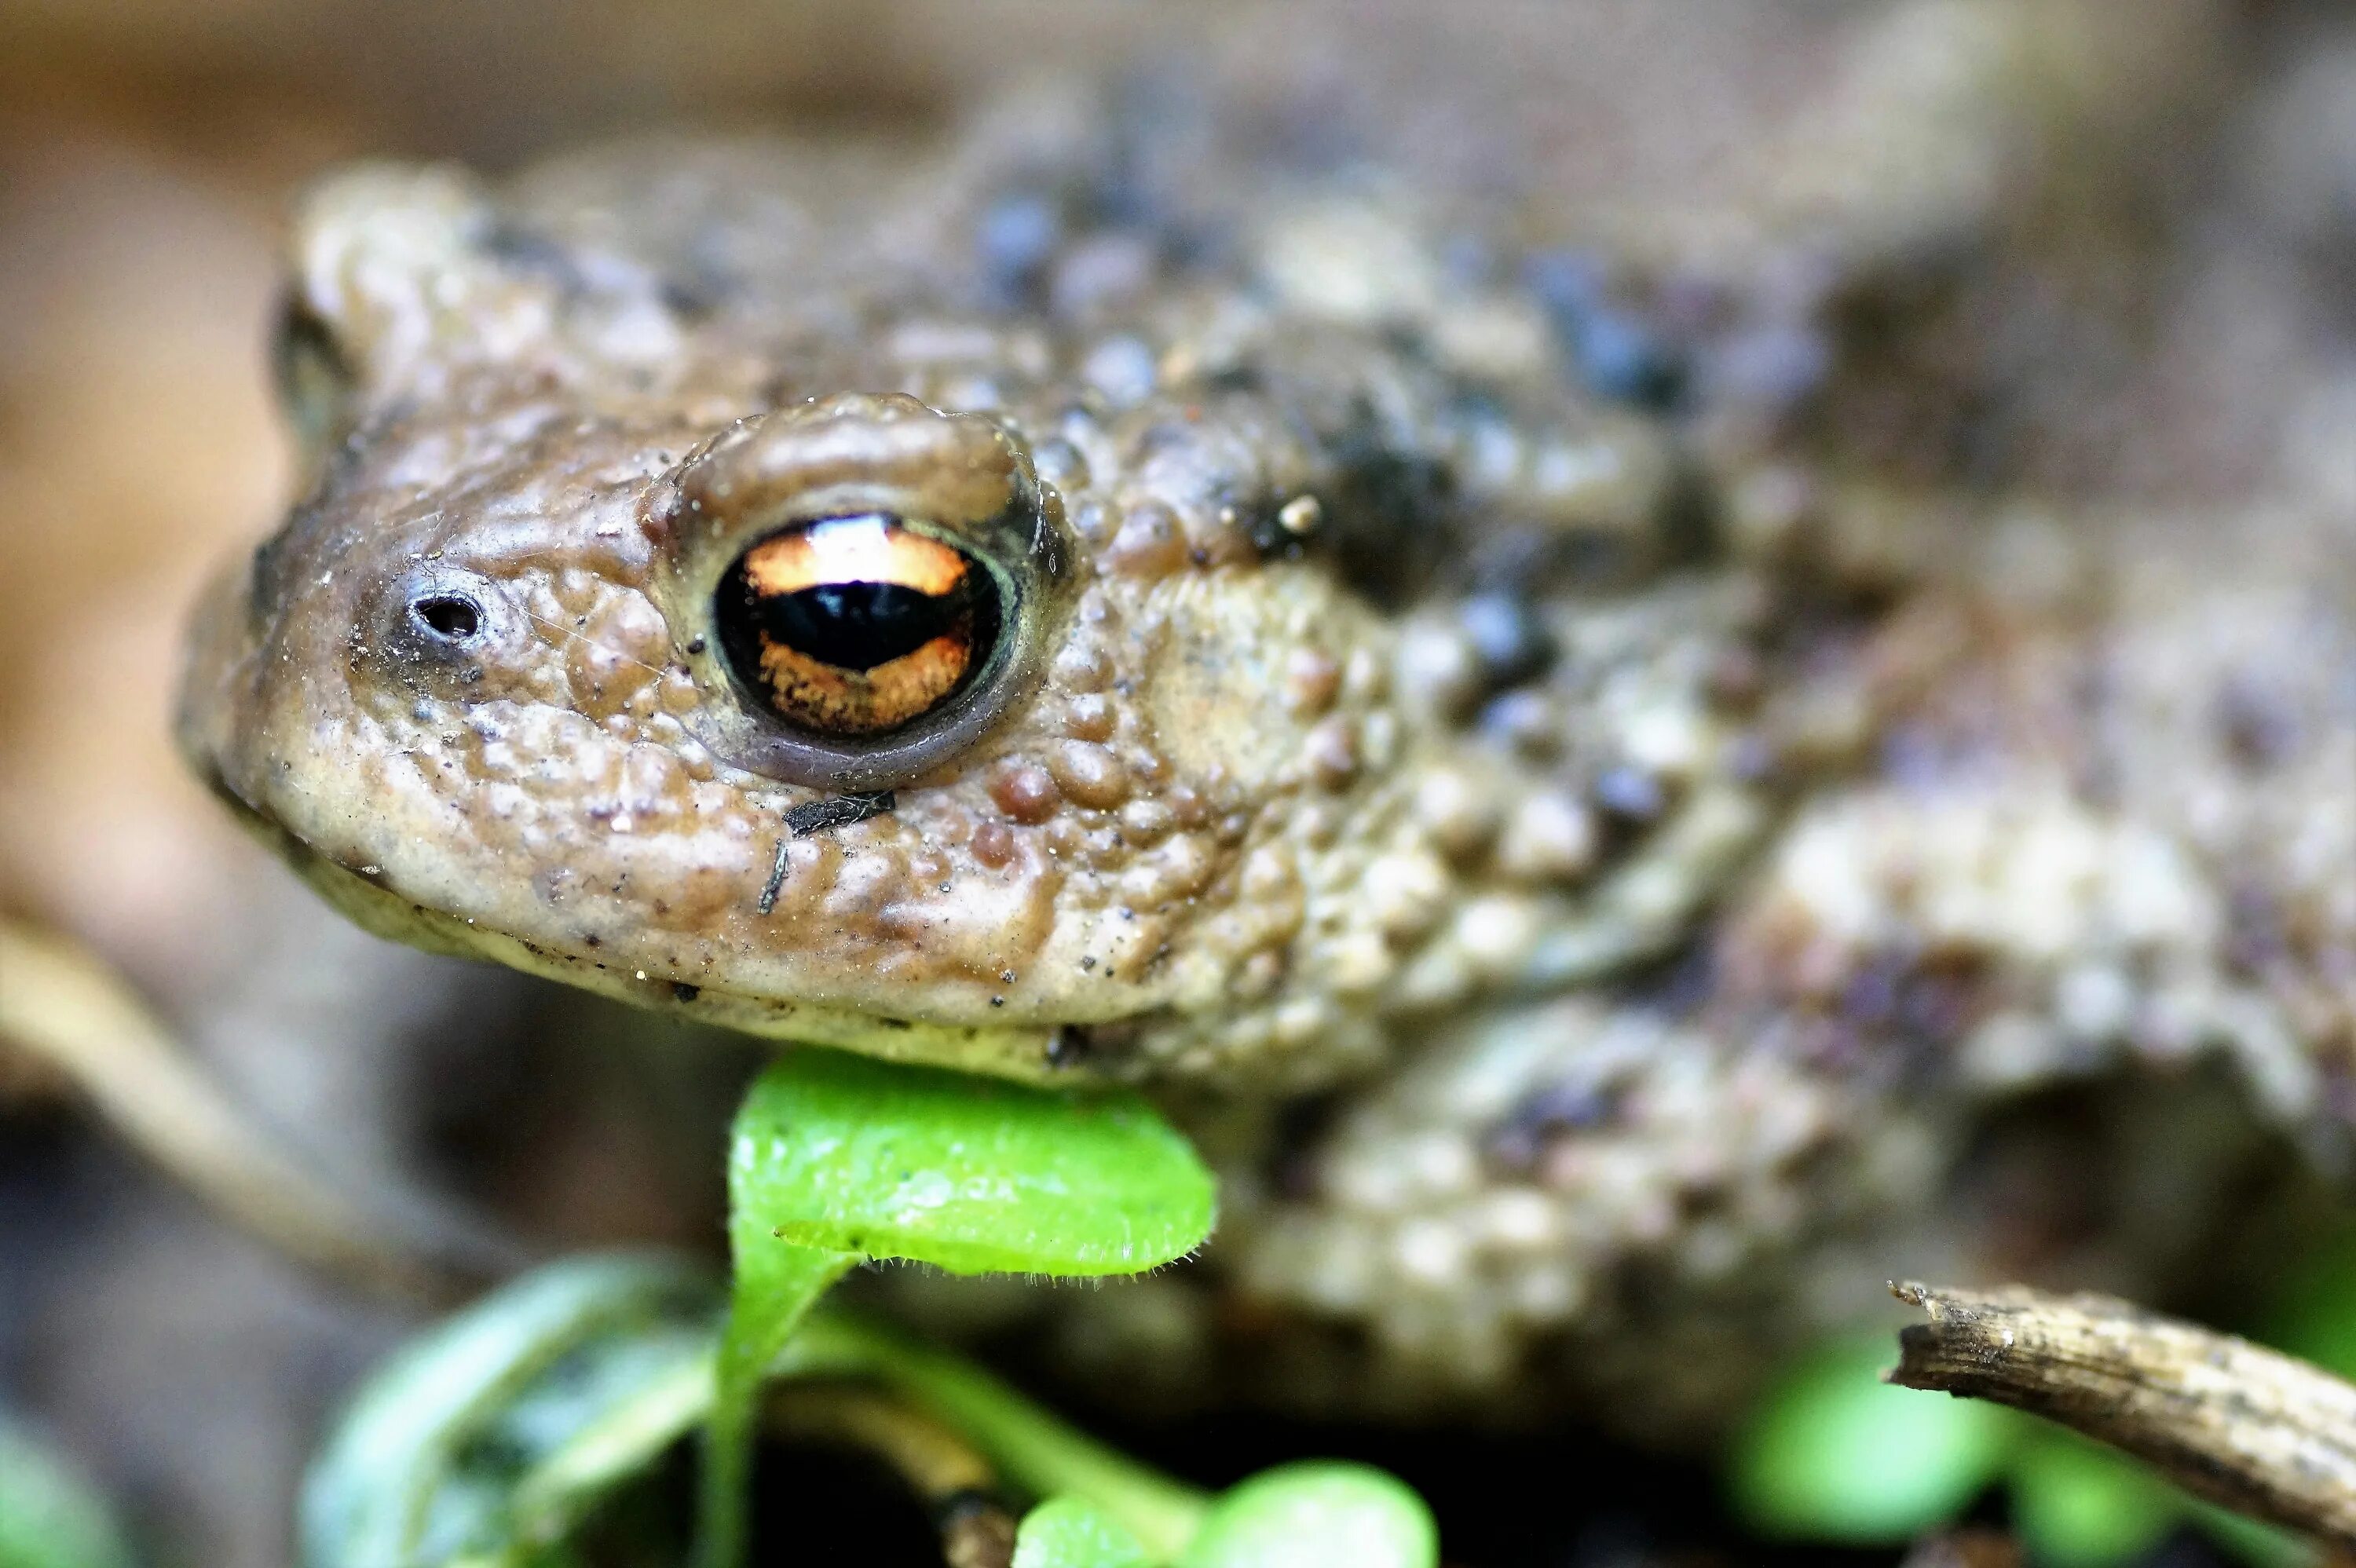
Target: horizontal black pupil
x=857, y=626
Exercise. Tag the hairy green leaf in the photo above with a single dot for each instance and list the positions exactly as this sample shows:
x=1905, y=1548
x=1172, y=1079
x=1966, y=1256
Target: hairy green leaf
x=836, y=1158
x=970, y=1175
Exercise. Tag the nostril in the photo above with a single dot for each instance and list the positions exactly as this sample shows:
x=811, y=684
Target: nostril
x=451, y=616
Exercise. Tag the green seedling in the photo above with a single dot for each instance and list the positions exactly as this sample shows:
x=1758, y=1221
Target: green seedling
x=492, y=1440
x=836, y=1159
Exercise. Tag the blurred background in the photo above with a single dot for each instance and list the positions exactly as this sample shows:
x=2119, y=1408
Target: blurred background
x=147, y=152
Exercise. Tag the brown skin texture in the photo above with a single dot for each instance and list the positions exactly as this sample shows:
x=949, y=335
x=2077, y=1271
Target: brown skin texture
x=1547, y=737
x=1193, y=816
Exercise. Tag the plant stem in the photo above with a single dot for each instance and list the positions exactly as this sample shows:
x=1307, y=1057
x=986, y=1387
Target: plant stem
x=1044, y=1455
x=774, y=1288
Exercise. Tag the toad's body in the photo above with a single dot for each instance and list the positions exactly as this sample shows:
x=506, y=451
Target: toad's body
x=1434, y=689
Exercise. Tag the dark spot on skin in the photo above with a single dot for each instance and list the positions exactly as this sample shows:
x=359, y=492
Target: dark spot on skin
x=1630, y=793
x=1093, y=1045
x=1551, y=1111
x=680, y=991
x=2255, y=941
x=1921, y=1002
x=813, y=816
x=689, y=300
x=527, y=251
x=266, y=583
x=1389, y=507
x=1015, y=238
x=1618, y=353
x=2259, y=726
x=1507, y=638
x=1300, y=1133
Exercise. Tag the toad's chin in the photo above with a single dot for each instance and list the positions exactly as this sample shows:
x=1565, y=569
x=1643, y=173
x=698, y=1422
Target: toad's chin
x=1034, y=1054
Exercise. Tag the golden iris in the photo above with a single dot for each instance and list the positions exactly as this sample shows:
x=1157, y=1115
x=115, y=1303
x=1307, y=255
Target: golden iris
x=854, y=625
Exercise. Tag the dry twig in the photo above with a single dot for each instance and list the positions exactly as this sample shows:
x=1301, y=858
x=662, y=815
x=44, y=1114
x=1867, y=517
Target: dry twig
x=64, y=1009
x=2258, y=1432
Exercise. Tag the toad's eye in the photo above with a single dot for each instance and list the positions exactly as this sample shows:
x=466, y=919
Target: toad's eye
x=855, y=626
x=860, y=586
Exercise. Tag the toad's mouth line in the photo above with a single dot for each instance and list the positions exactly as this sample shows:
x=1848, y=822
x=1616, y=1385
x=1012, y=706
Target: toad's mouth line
x=1028, y=1053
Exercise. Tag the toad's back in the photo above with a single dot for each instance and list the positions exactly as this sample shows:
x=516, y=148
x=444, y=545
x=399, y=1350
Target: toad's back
x=1134, y=595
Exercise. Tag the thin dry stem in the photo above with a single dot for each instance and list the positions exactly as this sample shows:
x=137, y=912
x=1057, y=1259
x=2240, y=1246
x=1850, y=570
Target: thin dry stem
x=64, y=1009
x=2258, y=1432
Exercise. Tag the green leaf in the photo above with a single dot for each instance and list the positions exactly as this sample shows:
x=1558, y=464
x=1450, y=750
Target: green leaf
x=1835, y=1454
x=50, y=1518
x=2081, y=1506
x=492, y=1436
x=1319, y=1513
x=1072, y=1532
x=836, y=1158
x=970, y=1175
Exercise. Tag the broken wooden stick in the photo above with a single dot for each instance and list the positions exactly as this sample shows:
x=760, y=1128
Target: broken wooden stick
x=2255, y=1431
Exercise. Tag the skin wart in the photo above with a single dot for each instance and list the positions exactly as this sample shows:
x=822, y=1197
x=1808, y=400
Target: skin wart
x=1516, y=730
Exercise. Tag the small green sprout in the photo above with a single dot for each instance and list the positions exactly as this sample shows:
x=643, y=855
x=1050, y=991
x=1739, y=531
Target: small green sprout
x=837, y=1158
x=492, y=1441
